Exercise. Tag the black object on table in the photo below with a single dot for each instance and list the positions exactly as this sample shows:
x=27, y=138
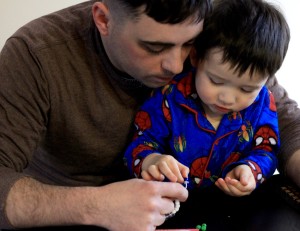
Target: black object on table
x=269, y=208
x=274, y=206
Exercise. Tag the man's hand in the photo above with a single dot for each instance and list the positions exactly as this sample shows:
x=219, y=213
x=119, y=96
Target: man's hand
x=138, y=205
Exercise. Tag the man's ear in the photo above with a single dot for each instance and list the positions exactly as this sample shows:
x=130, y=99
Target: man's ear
x=193, y=57
x=101, y=17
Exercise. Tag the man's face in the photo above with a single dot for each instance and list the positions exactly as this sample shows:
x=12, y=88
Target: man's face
x=149, y=51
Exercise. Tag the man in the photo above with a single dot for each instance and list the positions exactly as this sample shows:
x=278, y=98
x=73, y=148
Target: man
x=70, y=85
x=67, y=105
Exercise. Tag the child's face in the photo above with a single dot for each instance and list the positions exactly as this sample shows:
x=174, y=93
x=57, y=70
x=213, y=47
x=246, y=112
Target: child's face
x=221, y=89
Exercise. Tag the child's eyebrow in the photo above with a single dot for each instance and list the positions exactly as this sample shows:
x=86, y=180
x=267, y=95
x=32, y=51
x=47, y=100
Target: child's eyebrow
x=215, y=76
x=211, y=75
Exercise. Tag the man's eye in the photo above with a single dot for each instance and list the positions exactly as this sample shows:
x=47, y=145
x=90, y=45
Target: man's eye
x=188, y=44
x=154, y=50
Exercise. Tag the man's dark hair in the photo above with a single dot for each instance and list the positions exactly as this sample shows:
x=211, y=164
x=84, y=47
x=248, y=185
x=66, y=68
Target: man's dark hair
x=251, y=33
x=164, y=11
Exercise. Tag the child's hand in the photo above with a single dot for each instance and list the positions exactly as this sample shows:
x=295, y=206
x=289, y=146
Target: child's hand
x=158, y=166
x=238, y=182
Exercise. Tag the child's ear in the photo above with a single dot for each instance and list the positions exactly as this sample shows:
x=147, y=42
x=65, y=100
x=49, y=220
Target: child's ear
x=193, y=57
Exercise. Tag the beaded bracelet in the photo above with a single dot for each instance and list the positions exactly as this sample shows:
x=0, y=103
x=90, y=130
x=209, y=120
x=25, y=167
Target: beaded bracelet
x=176, y=202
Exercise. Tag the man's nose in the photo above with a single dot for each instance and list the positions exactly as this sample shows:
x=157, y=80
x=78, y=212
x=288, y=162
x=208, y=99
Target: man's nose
x=173, y=61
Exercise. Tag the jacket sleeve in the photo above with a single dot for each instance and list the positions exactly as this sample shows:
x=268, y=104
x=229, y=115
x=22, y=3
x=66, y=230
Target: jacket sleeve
x=289, y=123
x=150, y=134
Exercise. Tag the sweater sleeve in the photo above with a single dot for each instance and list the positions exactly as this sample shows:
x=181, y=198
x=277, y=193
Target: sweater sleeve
x=289, y=123
x=23, y=112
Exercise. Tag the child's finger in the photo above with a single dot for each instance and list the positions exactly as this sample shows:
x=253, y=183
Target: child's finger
x=168, y=171
x=155, y=172
x=184, y=170
x=146, y=176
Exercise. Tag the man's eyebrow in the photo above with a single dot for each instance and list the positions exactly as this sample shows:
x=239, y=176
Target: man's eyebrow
x=157, y=43
x=166, y=44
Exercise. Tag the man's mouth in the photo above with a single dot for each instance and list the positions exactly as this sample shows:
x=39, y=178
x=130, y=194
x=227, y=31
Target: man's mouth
x=164, y=79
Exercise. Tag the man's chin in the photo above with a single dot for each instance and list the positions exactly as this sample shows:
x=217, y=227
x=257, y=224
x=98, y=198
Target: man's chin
x=156, y=84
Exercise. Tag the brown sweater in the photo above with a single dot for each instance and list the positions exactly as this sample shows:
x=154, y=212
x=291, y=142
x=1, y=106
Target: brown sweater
x=66, y=113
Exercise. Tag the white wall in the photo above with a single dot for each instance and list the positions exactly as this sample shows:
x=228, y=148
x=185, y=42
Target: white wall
x=288, y=75
x=15, y=13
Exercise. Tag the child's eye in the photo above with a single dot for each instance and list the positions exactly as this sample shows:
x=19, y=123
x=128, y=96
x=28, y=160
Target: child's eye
x=245, y=90
x=215, y=81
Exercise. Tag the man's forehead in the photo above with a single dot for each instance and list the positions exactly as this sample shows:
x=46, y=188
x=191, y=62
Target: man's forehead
x=148, y=30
